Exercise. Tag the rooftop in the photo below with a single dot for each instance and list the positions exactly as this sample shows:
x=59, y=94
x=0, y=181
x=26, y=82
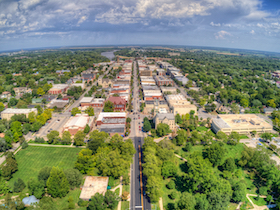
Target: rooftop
x=162, y=116
x=110, y=114
x=80, y=120
x=18, y=111
x=86, y=99
x=112, y=128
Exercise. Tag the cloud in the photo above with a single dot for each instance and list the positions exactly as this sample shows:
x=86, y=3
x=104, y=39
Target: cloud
x=222, y=34
x=252, y=32
x=213, y=24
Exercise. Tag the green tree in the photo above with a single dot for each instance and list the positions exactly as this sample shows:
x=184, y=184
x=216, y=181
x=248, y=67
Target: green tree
x=90, y=111
x=239, y=192
x=178, y=119
x=10, y=167
x=109, y=106
x=111, y=199
x=96, y=140
x=201, y=202
x=87, y=129
x=229, y=165
x=233, y=138
x=234, y=108
x=244, y=102
x=221, y=136
x=40, y=91
x=26, y=128
x=168, y=169
x=85, y=161
x=171, y=184
x=57, y=184
x=74, y=177
x=66, y=137
x=2, y=107
x=75, y=111
x=181, y=137
x=32, y=117
x=267, y=136
x=53, y=137
x=97, y=202
x=162, y=129
x=153, y=188
x=19, y=185
x=215, y=153
x=36, y=188
x=147, y=126
x=187, y=201
x=188, y=147
x=47, y=203
x=4, y=187
x=79, y=138
x=44, y=174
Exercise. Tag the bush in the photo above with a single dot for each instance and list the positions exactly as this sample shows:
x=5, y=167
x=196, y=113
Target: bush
x=268, y=198
x=126, y=179
x=39, y=140
x=125, y=196
x=24, y=145
x=19, y=185
x=263, y=190
x=111, y=182
x=82, y=203
x=173, y=195
x=171, y=184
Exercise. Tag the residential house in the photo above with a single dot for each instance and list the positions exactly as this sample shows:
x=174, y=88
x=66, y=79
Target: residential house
x=119, y=103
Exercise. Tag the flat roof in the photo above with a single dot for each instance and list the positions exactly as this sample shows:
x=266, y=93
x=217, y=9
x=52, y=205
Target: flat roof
x=110, y=114
x=93, y=185
x=18, y=111
x=240, y=120
x=86, y=99
x=80, y=120
x=175, y=97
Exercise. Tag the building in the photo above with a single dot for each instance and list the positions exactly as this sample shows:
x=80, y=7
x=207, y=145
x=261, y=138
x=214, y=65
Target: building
x=58, y=89
x=168, y=90
x=105, y=83
x=58, y=103
x=85, y=101
x=5, y=94
x=19, y=91
x=166, y=118
x=161, y=72
x=178, y=104
x=93, y=185
x=111, y=118
x=173, y=54
x=150, y=95
x=113, y=129
x=240, y=123
x=94, y=102
x=88, y=77
x=78, y=122
x=146, y=72
x=161, y=80
x=8, y=113
x=119, y=103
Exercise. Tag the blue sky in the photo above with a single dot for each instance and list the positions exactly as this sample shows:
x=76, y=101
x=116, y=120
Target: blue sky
x=247, y=24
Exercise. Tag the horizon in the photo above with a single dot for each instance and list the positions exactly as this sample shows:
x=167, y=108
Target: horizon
x=248, y=24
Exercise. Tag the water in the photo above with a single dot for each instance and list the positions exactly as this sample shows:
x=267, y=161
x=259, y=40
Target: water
x=109, y=54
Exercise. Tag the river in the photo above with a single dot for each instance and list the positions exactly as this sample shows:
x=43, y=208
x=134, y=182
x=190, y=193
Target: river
x=109, y=54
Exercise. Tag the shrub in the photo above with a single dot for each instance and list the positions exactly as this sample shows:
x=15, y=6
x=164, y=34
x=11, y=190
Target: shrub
x=171, y=184
x=19, y=185
x=24, y=145
x=39, y=140
x=82, y=203
x=268, y=198
x=173, y=195
x=125, y=196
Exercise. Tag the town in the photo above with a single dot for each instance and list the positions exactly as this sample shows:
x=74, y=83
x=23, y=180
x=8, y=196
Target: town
x=150, y=128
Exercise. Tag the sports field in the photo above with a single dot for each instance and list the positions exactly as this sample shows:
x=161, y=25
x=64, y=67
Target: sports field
x=32, y=159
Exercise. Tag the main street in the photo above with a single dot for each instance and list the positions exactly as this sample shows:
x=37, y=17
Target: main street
x=137, y=198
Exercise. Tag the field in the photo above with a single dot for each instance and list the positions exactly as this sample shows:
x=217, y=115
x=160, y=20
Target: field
x=32, y=159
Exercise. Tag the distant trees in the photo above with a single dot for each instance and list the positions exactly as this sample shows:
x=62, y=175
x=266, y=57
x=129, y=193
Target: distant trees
x=75, y=111
x=109, y=106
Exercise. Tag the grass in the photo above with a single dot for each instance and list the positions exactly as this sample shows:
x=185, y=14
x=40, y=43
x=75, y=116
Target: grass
x=125, y=205
x=244, y=137
x=46, y=142
x=260, y=202
x=201, y=128
x=32, y=159
x=232, y=206
x=117, y=191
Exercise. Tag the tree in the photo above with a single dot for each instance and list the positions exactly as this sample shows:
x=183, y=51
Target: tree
x=128, y=120
x=96, y=140
x=239, y=192
x=44, y=174
x=26, y=128
x=188, y=147
x=215, y=154
x=178, y=119
x=111, y=199
x=147, y=126
x=97, y=202
x=47, y=203
x=229, y=165
x=66, y=137
x=40, y=91
x=85, y=161
x=10, y=167
x=3, y=145
x=57, y=183
x=74, y=177
x=267, y=136
x=4, y=187
x=36, y=188
x=32, y=117
x=186, y=202
x=201, y=202
x=90, y=111
x=87, y=129
x=53, y=137
x=125, y=195
x=153, y=188
x=263, y=190
x=218, y=201
x=79, y=138
x=181, y=137
x=171, y=184
x=162, y=129
x=109, y=106
x=271, y=103
x=173, y=195
x=19, y=185
x=168, y=169
x=126, y=179
x=221, y=136
x=75, y=111
x=234, y=108
x=2, y=107
x=244, y=102
x=233, y=138
x=36, y=126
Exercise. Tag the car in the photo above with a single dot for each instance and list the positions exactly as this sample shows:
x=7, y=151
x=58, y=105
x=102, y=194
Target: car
x=139, y=126
x=51, y=129
x=139, y=117
x=58, y=120
x=139, y=129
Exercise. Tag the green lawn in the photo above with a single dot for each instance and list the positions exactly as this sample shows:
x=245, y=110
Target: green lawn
x=260, y=202
x=32, y=159
x=125, y=205
x=201, y=128
x=244, y=137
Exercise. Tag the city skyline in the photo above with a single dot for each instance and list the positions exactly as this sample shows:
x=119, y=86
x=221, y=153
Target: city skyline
x=250, y=24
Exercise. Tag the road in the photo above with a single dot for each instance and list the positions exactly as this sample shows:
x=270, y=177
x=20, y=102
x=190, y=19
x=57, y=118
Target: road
x=137, y=199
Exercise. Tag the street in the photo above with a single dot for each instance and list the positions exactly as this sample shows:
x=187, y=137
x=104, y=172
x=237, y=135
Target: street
x=137, y=198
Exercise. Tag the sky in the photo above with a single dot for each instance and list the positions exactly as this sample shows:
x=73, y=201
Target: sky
x=244, y=24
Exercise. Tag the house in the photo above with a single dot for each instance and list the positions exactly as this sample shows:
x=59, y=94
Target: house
x=58, y=103
x=269, y=110
x=77, y=123
x=105, y=83
x=94, y=102
x=6, y=94
x=119, y=103
x=166, y=118
x=48, y=97
x=36, y=100
x=58, y=89
x=161, y=80
x=19, y=91
x=8, y=113
x=88, y=77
